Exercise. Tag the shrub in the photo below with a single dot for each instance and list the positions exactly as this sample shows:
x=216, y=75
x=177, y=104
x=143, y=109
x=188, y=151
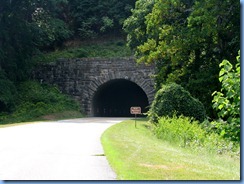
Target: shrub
x=180, y=130
x=173, y=99
x=227, y=101
x=35, y=100
x=187, y=133
x=42, y=96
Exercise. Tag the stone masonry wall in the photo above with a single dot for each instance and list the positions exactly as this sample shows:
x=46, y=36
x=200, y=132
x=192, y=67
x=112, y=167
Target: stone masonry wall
x=81, y=78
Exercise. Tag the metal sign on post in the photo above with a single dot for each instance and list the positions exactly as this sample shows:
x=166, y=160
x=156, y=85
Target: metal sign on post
x=135, y=110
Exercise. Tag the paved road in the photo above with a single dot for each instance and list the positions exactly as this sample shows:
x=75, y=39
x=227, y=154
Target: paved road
x=60, y=150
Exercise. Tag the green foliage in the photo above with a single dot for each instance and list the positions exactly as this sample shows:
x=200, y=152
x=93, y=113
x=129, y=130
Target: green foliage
x=31, y=27
x=187, y=133
x=52, y=32
x=227, y=101
x=104, y=49
x=16, y=38
x=35, y=100
x=135, y=26
x=91, y=18
x=107, y=23
x=7, y=93
x=86, y=30
x=187, y=40
x=173, y=99
x=136, y=154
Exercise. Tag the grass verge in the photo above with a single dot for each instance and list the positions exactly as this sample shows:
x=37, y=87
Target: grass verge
x=136, y=154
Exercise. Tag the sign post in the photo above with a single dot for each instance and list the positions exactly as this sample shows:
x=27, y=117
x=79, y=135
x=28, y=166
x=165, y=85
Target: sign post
x=135, y=110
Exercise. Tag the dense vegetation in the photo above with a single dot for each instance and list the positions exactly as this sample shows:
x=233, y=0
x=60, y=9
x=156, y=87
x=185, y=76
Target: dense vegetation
x=187, y=40
x=35, y=100
x=110, y=47
x=137, y=154
x=31, y=29
x=172, y=99
x=227, y=100
x=194, y=43
x=187, y=133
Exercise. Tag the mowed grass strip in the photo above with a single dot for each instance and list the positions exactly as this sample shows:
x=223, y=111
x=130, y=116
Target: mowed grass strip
x=136, y=154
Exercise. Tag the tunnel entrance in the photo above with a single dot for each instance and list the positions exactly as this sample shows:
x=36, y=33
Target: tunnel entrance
x=114, y=99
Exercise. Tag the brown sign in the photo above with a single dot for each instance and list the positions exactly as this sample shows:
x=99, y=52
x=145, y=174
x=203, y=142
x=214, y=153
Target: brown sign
x=135, y=110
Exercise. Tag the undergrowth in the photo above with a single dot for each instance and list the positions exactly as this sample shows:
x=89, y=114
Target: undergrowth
x=187, y=132
x=106, y=49
x=36, y=100
x=137, y=154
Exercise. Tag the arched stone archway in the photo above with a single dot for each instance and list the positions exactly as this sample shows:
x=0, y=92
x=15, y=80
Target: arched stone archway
x=115, y=97
x=83, y=78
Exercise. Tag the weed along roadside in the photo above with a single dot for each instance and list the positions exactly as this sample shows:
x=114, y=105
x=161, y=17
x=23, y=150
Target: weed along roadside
x=137, y=154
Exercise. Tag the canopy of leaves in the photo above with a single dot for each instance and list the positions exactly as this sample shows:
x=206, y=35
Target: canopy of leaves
x=89, y=18
x=28, y=27
x=187, y=39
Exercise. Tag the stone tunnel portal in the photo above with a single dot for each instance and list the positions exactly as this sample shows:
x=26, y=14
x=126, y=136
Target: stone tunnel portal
x=114, y=99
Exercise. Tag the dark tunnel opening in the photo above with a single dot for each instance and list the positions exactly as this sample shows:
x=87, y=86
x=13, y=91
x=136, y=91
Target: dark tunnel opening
x=114, y=99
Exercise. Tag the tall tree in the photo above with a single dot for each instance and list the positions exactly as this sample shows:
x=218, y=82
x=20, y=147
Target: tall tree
x=16, y=47
x=187, y=39
x=96, y=17
x=16, y=37
x=25, y=27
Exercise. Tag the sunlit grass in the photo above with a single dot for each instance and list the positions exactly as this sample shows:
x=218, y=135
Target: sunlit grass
x=136, y=154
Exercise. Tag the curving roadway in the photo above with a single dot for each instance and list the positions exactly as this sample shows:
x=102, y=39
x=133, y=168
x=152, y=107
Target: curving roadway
x=57, y=150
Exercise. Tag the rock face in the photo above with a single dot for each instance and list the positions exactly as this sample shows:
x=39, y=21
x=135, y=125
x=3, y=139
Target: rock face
x=85, y=78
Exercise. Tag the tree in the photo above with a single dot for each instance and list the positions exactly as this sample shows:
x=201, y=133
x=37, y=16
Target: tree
x=53, y=31
x=135, y=26
x=99, y=17
x=187, y=39
x=227, y=101
x=31, y=27
x=16, y=37
x=25, y=27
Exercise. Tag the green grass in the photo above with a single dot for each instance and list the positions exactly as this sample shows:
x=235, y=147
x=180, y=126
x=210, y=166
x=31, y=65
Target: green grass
x=187, y=132
x=136, y=154
x=103, y=49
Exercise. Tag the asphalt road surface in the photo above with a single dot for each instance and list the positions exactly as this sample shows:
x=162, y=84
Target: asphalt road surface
x=58, y=150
